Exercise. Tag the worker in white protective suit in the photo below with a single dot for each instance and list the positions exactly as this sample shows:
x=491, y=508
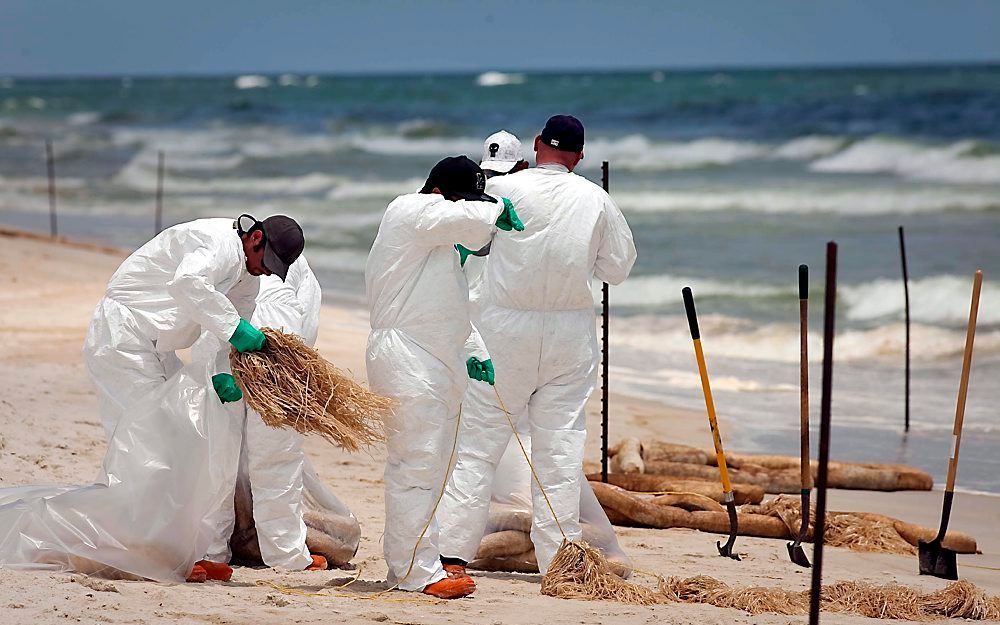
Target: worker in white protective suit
x=502, y=155
x=272, y=459
x=536, y=315
x=193, y=277
x=418, y=298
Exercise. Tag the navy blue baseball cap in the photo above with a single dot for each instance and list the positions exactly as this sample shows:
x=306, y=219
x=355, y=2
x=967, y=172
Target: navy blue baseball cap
x=563, y=132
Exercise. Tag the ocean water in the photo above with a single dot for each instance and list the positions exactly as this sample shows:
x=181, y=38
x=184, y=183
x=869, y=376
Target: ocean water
x=730, y=180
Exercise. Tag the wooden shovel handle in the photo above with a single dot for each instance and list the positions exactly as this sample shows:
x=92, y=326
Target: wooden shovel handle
x=963, y=387
x=807, y=481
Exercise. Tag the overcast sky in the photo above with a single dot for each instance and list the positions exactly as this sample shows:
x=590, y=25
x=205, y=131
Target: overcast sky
x=132, y=37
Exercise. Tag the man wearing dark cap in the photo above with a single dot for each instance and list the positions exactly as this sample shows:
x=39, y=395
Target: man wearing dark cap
x=200, y=275
x=418, y=298
x=536, y=315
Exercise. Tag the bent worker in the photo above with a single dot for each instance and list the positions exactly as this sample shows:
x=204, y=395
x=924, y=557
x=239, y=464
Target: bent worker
x=200, y=275
x=272, y=461
x=536, y=315
x=418, y=298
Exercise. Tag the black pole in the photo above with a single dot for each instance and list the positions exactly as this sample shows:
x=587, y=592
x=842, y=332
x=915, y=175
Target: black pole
x=605, y=319
x=50, y=162
x=906, y=295
x=159, y=192
x=829, y=314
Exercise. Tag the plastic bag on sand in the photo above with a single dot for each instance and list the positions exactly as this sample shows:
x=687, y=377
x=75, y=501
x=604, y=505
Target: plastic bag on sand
x=332, y=531
x=143, y=518
x=503, y=547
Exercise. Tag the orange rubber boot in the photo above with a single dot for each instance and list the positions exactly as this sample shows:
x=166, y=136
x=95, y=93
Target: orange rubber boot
x=198, y=575
x=318, y=564
x=455, y=570
x=216, y=570
x=451, y=588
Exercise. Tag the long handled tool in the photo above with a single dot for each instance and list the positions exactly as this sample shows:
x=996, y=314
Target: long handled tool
x=727, y=488
x=826, y=403
x=795, y=551
x=935, y=559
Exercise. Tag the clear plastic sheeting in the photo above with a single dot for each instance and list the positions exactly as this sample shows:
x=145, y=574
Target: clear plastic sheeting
x=506, y=545
x=144, y=518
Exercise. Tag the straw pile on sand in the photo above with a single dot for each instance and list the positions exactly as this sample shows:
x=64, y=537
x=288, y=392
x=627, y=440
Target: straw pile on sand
x=859, y=531
x=580, y=572
x=291, y=386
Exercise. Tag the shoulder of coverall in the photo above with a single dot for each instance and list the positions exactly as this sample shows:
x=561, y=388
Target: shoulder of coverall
x=219, y=236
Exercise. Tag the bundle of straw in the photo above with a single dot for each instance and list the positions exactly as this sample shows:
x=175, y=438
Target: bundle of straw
x=578, y=571
x=291, y=386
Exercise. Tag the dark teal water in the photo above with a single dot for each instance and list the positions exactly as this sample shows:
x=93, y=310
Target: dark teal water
x=730, y=179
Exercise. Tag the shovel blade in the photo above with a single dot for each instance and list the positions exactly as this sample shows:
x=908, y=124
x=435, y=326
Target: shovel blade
x=937, y=560
x=798, y=555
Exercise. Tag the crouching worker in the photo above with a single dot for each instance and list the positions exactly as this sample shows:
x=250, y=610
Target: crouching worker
x=267, y=525
x=418, y=298
x=193, y=277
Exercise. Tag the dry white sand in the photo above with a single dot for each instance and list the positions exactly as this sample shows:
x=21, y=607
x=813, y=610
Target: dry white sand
x=50, y=432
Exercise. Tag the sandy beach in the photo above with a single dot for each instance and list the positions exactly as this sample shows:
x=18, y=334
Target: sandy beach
x=50, y=433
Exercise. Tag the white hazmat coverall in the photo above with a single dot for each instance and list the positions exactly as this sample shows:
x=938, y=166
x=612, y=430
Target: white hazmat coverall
x=271, y=459
x=419, y=301
x=189, y=278
x=536, y=315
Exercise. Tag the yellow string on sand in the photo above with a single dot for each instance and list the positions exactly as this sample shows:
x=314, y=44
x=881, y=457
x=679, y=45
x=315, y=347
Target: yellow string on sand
x=288, y=590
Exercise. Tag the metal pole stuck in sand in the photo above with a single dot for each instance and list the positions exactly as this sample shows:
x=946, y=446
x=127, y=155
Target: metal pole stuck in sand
x=604, y=358
x=829, y=314
x=50, y=163
x=906, y=296
x=159, y=192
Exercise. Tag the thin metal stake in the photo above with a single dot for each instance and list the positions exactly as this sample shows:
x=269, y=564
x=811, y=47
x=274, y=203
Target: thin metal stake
x=50, y=161
x=829, y=315
x=605, y=319
x=159, y=192
x=906, y=295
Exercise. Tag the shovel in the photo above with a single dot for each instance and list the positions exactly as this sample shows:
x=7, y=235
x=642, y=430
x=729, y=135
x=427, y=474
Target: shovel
x=935, y=559
x=727, y=488
x=795, y=551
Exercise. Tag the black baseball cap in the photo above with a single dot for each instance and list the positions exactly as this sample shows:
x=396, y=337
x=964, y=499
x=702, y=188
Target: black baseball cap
x=283, y=241
x=563, y=132
x=458, y=176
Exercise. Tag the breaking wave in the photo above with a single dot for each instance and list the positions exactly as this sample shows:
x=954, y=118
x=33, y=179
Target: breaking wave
x=878, y=200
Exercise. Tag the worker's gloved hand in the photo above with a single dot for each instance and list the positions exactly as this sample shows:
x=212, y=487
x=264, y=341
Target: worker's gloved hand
x=247, y=338
x=508, y=219
x=225, y=387
x=463, y=253
x=481, y=370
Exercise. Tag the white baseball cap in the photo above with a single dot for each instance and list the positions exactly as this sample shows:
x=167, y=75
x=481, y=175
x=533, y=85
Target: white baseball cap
x=501, y=151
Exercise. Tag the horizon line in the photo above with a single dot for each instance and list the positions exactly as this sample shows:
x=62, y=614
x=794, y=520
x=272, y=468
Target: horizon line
x=636, y=69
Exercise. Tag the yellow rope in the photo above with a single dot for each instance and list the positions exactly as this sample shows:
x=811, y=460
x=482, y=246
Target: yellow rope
x=542, y=489
x=430, y=518
x=287, y=590
x=530, y=466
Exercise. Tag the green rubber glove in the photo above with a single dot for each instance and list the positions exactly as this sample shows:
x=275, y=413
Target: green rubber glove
x=508, y=219
x=247, y=338
x=481, y=370
x=464, y=253
x=225, y=387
